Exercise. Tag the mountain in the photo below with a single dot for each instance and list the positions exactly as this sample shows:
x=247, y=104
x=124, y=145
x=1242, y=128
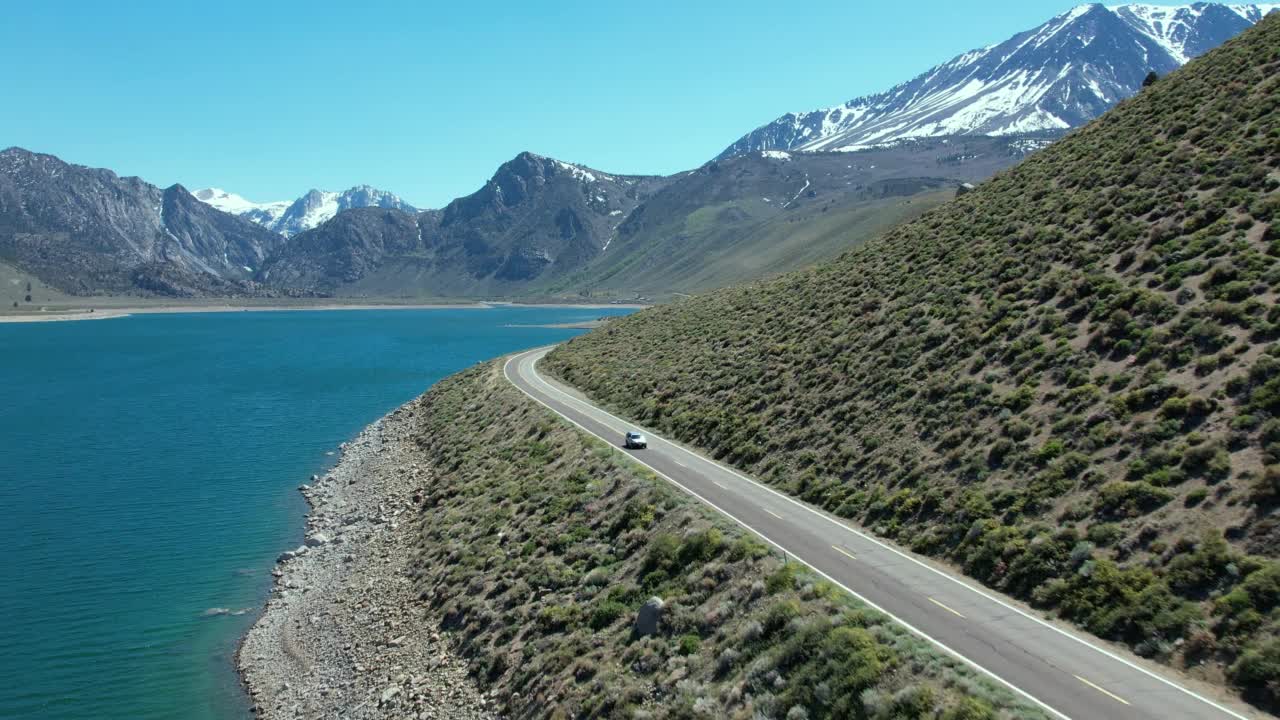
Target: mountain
x=1066, y=382
x=89, y=231
x=768, y=212
x=308, y=211
x=535, y=219
x=265, y=214
x=1045, y=80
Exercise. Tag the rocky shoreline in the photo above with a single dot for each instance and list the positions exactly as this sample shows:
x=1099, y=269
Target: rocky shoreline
x=344, y=633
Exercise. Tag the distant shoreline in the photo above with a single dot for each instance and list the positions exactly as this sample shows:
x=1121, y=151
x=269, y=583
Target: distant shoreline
x=125, y=311
x=59, y=316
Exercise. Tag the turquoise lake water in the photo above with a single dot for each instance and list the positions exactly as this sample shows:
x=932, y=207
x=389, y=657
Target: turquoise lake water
x=148, y=473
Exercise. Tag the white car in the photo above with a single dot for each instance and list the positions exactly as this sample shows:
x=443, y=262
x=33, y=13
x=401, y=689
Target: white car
x=634, y=441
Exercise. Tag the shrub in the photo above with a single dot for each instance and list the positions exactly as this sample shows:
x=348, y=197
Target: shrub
x=688, y=644
x=605, y=614
x=784, y=578
x=1266, y=489
x=846, y=659
x=1104, y=534
x=969, y=708
x=1195, y=497
x=1129, y=499
x=1258, y=670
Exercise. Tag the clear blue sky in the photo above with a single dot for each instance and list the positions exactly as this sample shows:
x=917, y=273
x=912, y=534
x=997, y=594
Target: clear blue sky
x=269, y=99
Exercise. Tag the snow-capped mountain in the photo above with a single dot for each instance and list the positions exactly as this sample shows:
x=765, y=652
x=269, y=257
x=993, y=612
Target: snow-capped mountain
x=308, y=211
x=1054, y=77
x=262, y=213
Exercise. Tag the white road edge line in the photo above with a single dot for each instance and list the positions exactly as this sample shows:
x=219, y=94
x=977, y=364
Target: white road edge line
x=930, y=568
x=911, y=628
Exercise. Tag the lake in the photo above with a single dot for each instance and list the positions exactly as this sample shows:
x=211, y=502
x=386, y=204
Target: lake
x=148, y=475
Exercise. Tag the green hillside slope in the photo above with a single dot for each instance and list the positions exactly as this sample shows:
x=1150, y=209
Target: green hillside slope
x=1066, y=382
x=540, y=545
x=763, y=214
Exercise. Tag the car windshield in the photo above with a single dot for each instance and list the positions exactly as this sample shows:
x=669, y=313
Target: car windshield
x=633, y=434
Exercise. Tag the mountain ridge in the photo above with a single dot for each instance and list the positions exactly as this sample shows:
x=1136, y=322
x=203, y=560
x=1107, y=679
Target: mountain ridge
x=306, y=212
x=90, y=231
x=1049, y=79
x=771, y=211
x=535, y=218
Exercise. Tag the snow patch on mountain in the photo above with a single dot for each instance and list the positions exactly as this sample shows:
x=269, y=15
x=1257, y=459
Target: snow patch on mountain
x=1057, y=76
x=580, y=173
x=236, y=205
x=310, y=210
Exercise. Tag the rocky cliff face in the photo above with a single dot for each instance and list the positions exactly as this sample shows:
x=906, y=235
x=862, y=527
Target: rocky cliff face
x=87, y=231
x=342, y=251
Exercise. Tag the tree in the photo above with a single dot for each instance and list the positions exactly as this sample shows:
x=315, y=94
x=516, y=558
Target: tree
x=27, y=299
x=1151, y=79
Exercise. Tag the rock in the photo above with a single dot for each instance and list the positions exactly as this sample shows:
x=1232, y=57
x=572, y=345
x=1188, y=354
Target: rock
x=388, y=695
x=318, y=540
x=649, y=616
x=964, y=189
x=286, y=556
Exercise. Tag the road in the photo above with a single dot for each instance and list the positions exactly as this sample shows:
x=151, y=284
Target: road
x=1070, y=676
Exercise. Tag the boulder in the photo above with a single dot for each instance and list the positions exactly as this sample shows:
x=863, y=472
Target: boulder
x=649, y=616
x=318, y=539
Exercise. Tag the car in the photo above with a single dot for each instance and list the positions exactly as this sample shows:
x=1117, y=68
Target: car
x=634, y=441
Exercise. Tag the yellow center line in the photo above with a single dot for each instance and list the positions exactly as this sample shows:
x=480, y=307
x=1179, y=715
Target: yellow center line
x=772, y=513
x=944, y=607
x=1103, y=690
x=844, y=552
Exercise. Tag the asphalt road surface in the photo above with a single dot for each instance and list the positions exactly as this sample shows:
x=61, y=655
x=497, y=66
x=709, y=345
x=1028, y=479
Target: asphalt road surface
x=1068, y=675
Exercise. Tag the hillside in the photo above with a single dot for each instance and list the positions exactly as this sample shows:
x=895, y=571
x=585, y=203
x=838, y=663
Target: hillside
x=539, y=547
x=88, y=231
x=1066, y=382
x=1059, y=75
x=26, y=290
x=766, y=213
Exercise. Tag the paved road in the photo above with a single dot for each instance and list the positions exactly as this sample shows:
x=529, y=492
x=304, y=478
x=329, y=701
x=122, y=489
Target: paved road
x=1067, y=675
